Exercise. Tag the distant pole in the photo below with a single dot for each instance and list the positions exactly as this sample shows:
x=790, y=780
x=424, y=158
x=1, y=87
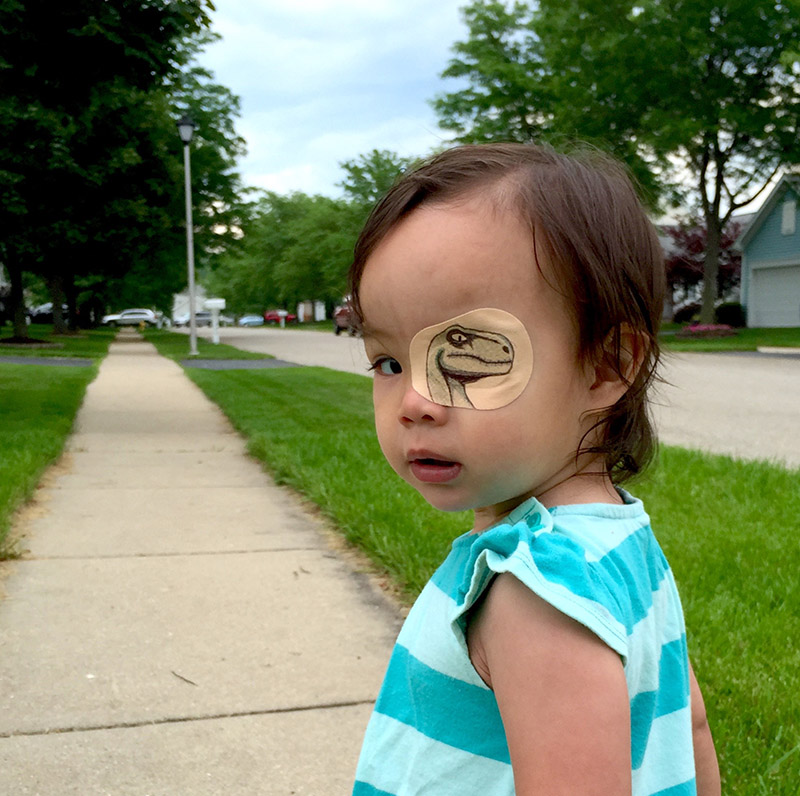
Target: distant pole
x=186, y=130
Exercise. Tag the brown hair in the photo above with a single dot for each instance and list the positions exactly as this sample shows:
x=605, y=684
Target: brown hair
x=583, y=210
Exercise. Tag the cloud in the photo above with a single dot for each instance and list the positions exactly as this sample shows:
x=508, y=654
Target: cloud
x=323, y=81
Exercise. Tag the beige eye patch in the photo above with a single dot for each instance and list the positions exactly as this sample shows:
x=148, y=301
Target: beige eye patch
x=479, y=360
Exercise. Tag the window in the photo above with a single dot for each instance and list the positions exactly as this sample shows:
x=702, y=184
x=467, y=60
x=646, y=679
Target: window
x=788, y=218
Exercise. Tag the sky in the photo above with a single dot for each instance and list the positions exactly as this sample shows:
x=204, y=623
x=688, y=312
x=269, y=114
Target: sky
x=324, y=81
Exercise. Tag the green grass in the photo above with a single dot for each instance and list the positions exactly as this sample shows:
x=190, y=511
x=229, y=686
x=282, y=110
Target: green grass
x=729, y=529
x=175, y=345
x=37, y=407
x=745, y=340
x=92, y=343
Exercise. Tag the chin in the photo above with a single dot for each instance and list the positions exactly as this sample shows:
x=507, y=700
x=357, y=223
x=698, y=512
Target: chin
x=443, y=501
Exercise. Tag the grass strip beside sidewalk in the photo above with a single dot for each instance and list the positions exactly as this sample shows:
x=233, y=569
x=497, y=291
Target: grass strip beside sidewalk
x=37, y=405
x=729, y=529
x=89, y=343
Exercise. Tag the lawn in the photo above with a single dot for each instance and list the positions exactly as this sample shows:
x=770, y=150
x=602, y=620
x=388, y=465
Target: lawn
x=92, y=343
x=175, y=345
x=729, y=529
x=37, y=405
x=744, y=340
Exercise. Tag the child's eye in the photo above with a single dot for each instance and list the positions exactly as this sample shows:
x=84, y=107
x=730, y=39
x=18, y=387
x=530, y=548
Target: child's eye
x=387, y=366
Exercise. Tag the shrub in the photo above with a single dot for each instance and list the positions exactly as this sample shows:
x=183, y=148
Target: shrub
x=687, y=312
x=707, y=330
x=730, y=314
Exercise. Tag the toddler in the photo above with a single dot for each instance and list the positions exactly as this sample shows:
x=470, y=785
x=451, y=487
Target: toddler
x=509, y=299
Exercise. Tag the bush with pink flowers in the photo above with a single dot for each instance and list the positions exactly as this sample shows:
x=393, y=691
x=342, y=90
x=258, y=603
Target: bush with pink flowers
x=707, y=330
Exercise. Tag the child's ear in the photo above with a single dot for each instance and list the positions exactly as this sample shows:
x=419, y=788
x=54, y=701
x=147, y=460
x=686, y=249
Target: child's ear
x=618, y=364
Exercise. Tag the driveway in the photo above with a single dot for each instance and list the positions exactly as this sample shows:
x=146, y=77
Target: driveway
x=745, y=405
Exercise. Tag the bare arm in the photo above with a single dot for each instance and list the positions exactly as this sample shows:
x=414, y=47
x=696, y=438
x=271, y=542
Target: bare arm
x=705, y=756
x=561, y=693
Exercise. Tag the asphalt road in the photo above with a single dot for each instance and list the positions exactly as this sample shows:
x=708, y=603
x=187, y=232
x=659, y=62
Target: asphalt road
x=745, y=405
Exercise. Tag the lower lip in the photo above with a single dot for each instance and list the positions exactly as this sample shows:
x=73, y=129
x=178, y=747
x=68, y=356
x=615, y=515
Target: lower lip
x=435, y=473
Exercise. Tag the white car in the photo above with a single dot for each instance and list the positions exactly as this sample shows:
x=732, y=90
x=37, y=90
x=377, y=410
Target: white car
x=202, y=318
x=132, y=317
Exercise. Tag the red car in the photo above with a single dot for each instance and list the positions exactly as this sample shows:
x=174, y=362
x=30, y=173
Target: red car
x=274, y=316
x=343, y=320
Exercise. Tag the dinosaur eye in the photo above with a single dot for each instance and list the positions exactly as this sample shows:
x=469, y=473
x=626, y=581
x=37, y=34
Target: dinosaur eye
x=457, y=338
x=387, y=366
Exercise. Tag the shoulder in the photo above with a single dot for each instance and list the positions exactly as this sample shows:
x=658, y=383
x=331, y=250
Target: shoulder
x=561, y=692
x=588, y=564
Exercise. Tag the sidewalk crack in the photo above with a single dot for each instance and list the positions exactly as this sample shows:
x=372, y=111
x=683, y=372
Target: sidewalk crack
x=127, y=725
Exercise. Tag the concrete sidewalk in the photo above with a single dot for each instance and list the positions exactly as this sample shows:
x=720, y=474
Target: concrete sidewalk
x=180, y=625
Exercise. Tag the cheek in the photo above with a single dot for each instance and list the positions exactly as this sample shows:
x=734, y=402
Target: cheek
x=384, y=415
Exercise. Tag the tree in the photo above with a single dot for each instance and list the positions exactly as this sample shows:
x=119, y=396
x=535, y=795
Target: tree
x=674, y=87
x=369, y=177
x=685, y=255
x=299, y=247
x=82, y=113
x=296, y=247
x=217, y=191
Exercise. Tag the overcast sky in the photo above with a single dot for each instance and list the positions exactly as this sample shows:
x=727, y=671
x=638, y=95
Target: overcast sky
x=322, y=81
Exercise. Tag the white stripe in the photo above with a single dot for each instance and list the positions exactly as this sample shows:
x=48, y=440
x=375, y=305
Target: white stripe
x=662, y=625
x=598, y=539
x=405, y=762
x=669, y=758
x=422, y=636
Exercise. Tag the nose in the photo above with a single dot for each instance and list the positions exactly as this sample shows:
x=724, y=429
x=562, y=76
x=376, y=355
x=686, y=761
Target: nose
x=415, y=408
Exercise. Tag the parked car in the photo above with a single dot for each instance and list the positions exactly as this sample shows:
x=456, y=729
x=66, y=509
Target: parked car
x=132, y=317
x=343, y=319
x=202, y=318
x=251, y=320
x=274, y=316
x=44, y=313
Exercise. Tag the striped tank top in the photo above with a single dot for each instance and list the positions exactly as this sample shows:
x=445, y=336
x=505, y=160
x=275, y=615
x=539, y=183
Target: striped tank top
x=436, y=729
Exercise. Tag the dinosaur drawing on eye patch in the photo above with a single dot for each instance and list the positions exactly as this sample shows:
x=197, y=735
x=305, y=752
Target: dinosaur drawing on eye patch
x=459, y=356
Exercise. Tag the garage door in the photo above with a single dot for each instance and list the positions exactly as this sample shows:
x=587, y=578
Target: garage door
x=775, y=296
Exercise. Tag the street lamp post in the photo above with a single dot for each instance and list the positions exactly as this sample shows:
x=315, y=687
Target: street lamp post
x=186, y=130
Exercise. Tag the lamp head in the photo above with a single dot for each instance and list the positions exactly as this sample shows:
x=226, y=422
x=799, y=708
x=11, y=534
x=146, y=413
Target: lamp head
x=186, y=129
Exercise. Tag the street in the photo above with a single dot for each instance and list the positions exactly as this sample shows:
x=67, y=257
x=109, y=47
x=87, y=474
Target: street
x=746, y=405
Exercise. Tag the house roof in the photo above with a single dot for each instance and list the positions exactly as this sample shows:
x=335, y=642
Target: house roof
x=789, y=180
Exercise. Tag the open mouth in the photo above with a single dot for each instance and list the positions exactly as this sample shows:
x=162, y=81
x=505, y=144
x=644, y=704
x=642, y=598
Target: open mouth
x=434, y=471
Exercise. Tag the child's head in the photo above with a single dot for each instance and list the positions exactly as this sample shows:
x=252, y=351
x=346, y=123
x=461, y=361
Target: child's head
x=516, y=228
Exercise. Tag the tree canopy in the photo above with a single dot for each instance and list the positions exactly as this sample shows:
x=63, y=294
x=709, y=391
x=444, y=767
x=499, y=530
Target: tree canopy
x=90, y=162
x=685, y=91
x=299, y=247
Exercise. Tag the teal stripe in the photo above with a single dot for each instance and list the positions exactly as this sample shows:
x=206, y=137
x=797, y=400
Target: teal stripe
x=688, y=788
x=456, y=713
x=672, y=695
x=673, y=678
x=365, y=789
x=562, y=561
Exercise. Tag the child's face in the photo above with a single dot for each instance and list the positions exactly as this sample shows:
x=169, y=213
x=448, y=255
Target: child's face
x=441, y=262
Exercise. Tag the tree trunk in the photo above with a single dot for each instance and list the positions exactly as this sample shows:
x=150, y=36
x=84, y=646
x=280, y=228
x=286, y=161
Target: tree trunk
x=710, y=269
x=72, y=303
x=17, y=297
x=56, y=286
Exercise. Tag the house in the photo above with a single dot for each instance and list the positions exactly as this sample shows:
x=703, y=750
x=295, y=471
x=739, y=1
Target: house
x=770, y=247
